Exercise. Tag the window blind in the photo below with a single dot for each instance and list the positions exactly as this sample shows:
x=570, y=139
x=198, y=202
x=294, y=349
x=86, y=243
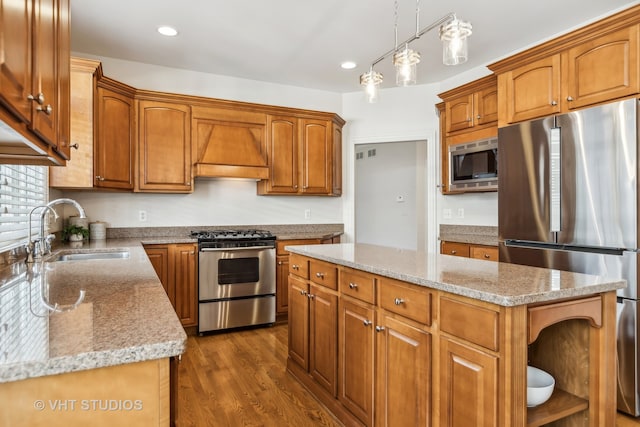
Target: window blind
x=22, y=188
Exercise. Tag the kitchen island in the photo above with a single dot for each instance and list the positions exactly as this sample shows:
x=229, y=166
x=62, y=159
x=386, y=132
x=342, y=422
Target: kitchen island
x=103, y=361
x=386, y=336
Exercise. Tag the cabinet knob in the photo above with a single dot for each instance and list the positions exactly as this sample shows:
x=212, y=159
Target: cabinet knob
x=76, y=146
x=353, y=285
x=487, y=256
x=569, y=98
x=99, y=178
x=468, y=119
x=398, y=301
x=303, y=292
x=379, y=328
x=453, y=252
x=367, y=322
x=279, y=262
x=311, y=296
x=478, y=116
x=39, y=98
x=554, y=103
x=47, y=110
x=320, y=275
x=295, y=267
x=187, y=183
x=295, y=186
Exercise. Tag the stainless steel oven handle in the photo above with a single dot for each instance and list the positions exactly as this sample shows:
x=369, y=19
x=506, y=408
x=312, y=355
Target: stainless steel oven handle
x=235, y=249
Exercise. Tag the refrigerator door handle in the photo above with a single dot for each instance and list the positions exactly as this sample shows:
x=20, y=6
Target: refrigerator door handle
x=561, y=247
x=554, y=179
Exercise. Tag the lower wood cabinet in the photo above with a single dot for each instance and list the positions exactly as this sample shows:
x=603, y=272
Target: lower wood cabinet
x=177, y=268
x=487, y=253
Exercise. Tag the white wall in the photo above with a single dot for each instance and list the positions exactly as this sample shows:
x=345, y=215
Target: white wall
x=214, y=201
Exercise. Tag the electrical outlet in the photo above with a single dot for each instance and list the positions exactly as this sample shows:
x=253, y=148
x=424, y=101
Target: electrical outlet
x=307, y=214
x=460, y=213
x=142, y=216
x=446, y=213
x=400, y=199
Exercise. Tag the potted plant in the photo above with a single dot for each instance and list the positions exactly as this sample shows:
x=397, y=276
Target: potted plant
x=74, y=233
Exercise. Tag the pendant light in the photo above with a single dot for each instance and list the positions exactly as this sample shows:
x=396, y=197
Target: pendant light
x=453, y=34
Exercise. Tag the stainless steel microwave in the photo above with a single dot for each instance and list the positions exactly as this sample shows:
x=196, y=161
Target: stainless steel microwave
x=474, y=166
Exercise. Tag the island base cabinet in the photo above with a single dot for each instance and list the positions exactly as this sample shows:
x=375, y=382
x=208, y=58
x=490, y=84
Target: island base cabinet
x=132, y=394
x=468, y=386
x=403, y=374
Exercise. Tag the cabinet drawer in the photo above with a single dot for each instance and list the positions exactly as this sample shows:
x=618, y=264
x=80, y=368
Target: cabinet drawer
x=358, y=285
x=475, y=324
x=457, y=249
x=413, y=302
x=323, y=273
x=488, y=253
x=299, y=266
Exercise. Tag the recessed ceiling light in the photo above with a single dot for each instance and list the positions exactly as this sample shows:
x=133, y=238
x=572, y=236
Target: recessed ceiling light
x=168, y=31
x=348, y=65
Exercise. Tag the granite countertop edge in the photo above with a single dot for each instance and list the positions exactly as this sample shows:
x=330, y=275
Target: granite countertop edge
x=466, y=290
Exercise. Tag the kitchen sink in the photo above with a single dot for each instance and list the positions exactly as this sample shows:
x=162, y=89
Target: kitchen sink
x=86, y=256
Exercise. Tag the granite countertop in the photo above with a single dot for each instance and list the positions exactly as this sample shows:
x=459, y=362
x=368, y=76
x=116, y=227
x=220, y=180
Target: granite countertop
x=474, y=234
x=495, y=282
x=125, y=316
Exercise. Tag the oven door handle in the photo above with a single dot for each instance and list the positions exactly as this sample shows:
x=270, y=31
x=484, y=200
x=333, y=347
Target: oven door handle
x=235, y=249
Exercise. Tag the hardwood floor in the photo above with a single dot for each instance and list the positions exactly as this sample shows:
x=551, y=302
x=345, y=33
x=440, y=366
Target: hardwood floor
x=239, y=379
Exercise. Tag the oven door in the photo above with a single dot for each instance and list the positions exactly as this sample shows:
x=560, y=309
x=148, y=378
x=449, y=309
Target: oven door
x=236, y=272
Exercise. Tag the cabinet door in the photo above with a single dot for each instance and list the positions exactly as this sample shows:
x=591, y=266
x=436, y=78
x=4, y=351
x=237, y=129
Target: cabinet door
x=336, y=179
x=79, y=170
x=15, y=56
x=459, y=113
x=603, y=69
x=185, y=275
x=487, y=253
x=356, y=359
x=45, y=111
x=164, y=152
x=533, y=90
x=299, y=322
x=403, y=396
x=64, y=79
x=486, y=106
x=323, y=338
x=316, y=156
x=114, y=144
x=159, y=257
x=456, y=249
x=282, y=149
x=282, y=290
x=468, y=386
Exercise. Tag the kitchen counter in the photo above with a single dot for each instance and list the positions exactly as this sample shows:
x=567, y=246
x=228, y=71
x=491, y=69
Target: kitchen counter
x=494, y=282
x=125, y=316
x=473, y=234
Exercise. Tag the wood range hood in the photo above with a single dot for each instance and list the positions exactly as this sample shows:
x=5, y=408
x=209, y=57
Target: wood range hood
x=229, y=146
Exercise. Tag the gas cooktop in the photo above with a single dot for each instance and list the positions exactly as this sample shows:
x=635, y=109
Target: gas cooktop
x=227, y=235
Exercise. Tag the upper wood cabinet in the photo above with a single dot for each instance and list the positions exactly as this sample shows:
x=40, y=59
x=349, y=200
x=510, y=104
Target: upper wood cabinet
x=78, y=173
x=114, y=138
x=164, y=147
x=34, y=80
x=305, y=156
x=593, y=65
x=471, y=106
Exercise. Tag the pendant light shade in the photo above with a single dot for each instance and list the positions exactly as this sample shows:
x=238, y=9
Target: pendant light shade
x=371, y=80
x=454, y=42
x=406, y=62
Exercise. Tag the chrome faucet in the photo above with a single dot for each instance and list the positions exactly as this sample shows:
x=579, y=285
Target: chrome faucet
x=42, y=246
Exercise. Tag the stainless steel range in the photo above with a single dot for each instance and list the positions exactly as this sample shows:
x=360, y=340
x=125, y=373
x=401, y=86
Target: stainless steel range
x=236, y=279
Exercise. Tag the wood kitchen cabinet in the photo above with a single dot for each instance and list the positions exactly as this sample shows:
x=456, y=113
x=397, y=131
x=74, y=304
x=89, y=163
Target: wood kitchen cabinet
x=305, y=157
x=177, y=268
x=593, y=65
x=313, y=318
x=485, y=252
x=114, y=143
x=34, y=79
x=164, y=147
x=78, y=174
x=472, y=105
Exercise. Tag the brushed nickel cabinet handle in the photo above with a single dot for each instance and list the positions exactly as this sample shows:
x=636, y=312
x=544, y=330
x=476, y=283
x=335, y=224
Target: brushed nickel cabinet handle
x=379, y=328
x=311, y=296
x=487, y=256
x=453, y=252
x=478, y=116
x=279, y=262
x=569, y=98
x=353, y=285
x=398, y=301
x=295, y=267
x=99, y=178
x=367, y=322
x=554, y=103
x=47, y=110
x=38, y=98
x=320, y=275
x=303, y=292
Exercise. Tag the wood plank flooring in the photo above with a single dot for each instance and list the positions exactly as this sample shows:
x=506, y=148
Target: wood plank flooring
x=239, y=379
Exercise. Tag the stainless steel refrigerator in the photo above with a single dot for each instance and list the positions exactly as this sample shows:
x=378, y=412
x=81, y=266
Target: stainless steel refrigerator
x=568, y=199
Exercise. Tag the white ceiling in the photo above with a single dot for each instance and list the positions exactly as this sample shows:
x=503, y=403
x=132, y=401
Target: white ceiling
x=303, y=42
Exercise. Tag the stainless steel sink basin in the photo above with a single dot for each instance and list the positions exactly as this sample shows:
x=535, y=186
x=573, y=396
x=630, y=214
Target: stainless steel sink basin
x=85, y=256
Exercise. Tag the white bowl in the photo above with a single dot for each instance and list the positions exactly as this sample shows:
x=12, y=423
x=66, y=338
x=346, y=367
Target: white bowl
x=539, y=386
